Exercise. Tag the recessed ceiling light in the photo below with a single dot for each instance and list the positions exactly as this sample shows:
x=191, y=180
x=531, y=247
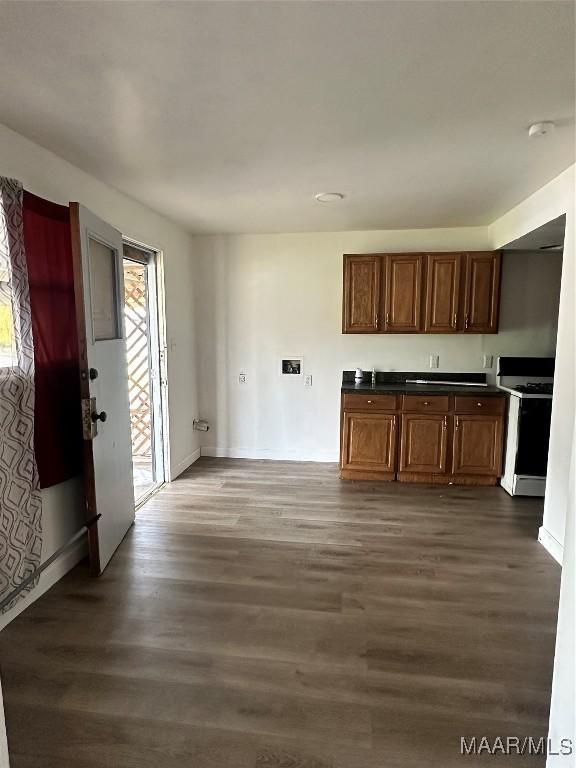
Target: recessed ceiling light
x=329, y=197
x=541, y=129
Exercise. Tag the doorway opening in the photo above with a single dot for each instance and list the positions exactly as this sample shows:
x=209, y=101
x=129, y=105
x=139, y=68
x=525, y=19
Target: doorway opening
x=145, y=350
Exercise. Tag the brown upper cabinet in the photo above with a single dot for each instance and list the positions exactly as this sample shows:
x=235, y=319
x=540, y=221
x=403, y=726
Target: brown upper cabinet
x=421, y=293
x=442, y=314
x=403, y=292
x=361, y=304
x=482, y=292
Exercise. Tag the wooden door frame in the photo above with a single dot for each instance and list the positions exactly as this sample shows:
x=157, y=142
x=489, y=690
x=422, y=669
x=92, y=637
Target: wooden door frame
x=87, y=445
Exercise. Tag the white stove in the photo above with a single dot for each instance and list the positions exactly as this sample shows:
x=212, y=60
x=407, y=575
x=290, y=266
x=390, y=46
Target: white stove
x=522, y=388
x=529, y=381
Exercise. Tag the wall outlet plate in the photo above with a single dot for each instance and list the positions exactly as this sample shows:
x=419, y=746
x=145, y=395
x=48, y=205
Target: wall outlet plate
x=434, y=361
x=308, y=380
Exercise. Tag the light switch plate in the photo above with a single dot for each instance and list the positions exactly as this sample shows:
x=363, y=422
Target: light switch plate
x=434, y=361
x=488, y=361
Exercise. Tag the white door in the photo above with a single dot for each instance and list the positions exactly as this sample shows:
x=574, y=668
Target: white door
x=99, y=290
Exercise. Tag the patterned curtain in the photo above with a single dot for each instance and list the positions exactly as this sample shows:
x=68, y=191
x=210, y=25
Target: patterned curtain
x=20, y=501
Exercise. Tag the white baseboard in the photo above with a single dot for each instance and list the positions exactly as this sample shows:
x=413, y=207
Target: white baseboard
x=184, y=464
x=269, y=453
x=49, y=577
x=551, y=544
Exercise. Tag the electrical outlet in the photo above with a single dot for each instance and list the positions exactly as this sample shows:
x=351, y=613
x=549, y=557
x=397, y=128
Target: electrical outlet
x=488, y=361
x=242, y=378
x=308, y=380
x=434, y=361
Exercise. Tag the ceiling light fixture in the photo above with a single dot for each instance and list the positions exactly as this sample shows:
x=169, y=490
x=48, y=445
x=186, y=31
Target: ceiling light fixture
x=329, y=197
x=541, y=129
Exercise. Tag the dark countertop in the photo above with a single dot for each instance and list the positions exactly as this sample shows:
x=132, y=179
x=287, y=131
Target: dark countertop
x=419, y=389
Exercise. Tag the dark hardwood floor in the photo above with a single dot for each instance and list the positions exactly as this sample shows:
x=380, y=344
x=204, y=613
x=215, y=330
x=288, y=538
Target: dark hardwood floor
x=269, y=615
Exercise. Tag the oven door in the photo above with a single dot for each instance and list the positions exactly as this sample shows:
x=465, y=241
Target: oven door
x=533, y=437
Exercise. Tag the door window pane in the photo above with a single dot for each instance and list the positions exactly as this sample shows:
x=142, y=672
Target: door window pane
x=104, y=287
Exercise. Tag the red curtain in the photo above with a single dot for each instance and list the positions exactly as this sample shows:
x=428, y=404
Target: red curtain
x=57, y=426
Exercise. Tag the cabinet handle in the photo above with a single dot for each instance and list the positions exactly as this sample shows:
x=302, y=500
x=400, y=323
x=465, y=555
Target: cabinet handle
x=466, y=321
x=479, y=405
x=426, y=402
x=445, y=422
x=369, y=402
x=454, y=320
x=377, y=318
x=457, y=423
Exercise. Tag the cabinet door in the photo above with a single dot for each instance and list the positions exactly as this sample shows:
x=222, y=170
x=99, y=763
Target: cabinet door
x=361, y=300
x=482, y=292
x=442, y=292
x=477, y=445
x=369, y=441
x=403, y=292
x=423, y=443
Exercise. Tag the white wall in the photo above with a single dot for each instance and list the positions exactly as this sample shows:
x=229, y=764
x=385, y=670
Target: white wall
x=263, y=296
x=47, y=175
x=553, y=200
x=558, y=530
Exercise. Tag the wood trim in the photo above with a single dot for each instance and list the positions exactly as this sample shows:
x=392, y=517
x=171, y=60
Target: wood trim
x=354, y=474
x=445, y=479
x=87, y=452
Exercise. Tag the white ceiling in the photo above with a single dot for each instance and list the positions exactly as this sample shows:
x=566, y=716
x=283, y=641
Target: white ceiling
x=230, y=116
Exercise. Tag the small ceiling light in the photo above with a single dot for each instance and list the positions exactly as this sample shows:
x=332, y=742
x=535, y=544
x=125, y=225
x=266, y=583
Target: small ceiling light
x=541, y=129
x=329, y=197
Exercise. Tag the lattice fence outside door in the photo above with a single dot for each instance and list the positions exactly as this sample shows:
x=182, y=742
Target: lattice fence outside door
x=136, y=319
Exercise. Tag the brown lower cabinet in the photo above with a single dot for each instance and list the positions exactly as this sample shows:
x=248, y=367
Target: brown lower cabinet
x=477, y=445
x=369, y=442
x=423, y=443
x=435, y=439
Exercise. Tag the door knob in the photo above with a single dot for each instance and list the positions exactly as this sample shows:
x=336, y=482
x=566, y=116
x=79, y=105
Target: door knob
x=102, y=416
x=93, y=373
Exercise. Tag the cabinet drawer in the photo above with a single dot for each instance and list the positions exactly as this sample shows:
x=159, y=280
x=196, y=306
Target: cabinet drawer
x=369, y=402
x=426, y=403
x=479, y=405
